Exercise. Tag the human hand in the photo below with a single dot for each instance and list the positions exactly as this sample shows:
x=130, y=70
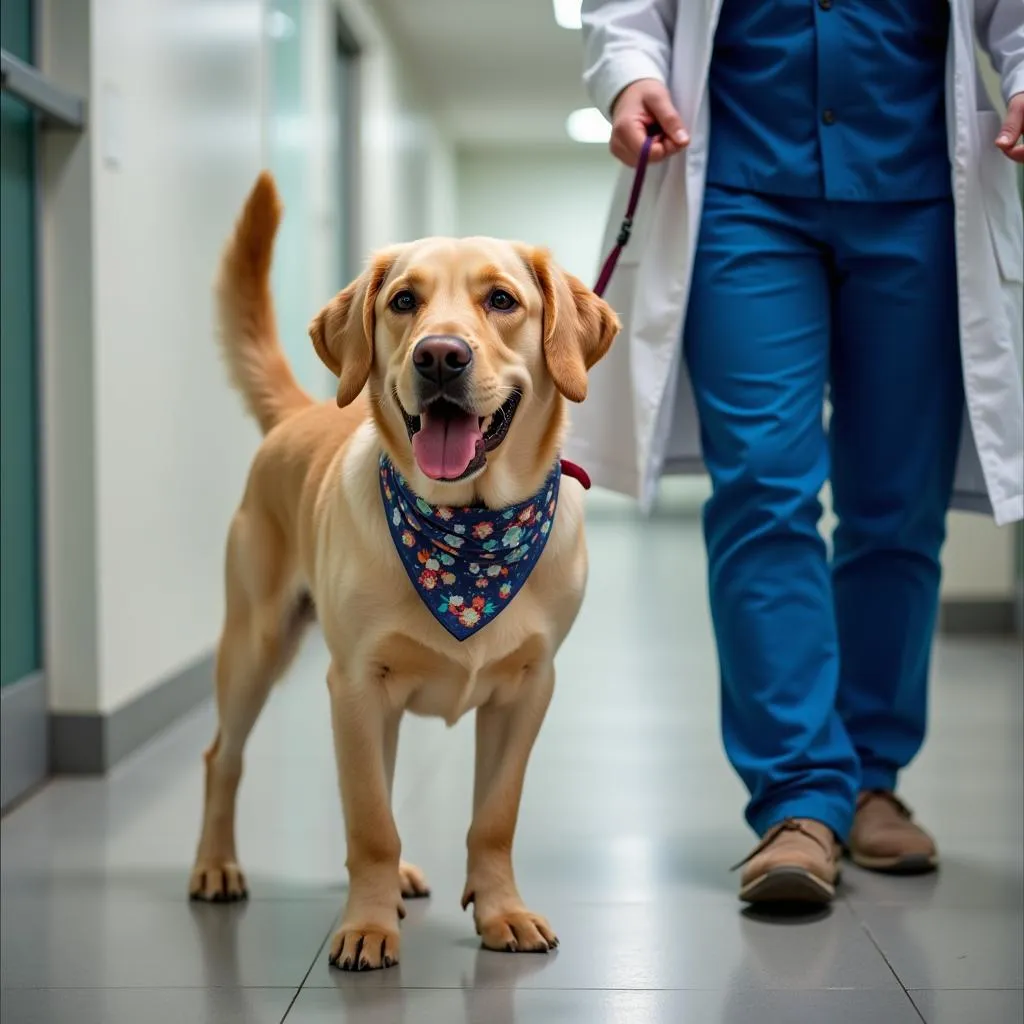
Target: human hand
x=1009, y=137
x=641, y=104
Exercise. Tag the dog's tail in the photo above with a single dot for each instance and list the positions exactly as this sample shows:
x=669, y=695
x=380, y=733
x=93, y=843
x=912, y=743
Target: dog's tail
x=245, y=312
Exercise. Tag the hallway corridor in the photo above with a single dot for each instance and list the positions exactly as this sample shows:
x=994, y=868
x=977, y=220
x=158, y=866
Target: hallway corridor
x=630, y=820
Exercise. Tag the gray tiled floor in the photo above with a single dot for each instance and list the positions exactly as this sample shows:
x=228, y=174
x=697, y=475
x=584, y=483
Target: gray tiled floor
x=629, y=821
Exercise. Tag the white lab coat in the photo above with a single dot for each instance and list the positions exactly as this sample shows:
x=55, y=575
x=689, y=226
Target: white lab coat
x=639, y=420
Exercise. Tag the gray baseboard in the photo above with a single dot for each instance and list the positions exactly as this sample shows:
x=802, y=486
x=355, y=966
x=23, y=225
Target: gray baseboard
x=978, y=617
x=93, y=743
x=23, y=738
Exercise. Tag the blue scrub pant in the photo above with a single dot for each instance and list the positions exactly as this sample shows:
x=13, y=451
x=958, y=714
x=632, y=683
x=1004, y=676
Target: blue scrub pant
x=824, y=663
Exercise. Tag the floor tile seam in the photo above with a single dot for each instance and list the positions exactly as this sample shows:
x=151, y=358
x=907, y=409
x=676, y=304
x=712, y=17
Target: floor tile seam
x=973, y=988
x=462, y=988
x=309, y=970
x=888, y=963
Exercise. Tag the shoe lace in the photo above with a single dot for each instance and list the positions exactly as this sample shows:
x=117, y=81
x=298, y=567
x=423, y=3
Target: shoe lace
x=789, y=825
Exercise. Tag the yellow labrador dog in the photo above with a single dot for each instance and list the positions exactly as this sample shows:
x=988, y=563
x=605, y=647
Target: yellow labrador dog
x=428, y=524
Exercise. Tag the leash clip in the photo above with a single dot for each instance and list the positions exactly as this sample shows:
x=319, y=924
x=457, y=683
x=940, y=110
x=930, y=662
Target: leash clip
x=626, y=228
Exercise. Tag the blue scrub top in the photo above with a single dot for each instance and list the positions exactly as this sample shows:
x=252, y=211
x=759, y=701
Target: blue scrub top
x=831, y=99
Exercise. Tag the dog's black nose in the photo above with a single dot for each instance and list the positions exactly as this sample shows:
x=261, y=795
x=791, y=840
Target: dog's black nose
x=440, y=358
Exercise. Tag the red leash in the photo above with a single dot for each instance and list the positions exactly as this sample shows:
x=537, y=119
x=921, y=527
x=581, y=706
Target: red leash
x=626, y=228
x=627, y=222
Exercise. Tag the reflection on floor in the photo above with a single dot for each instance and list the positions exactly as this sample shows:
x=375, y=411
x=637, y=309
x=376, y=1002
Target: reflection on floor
x=629, y=821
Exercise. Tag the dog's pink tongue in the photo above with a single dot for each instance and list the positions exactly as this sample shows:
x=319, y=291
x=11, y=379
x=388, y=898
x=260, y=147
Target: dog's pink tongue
x=444, y=446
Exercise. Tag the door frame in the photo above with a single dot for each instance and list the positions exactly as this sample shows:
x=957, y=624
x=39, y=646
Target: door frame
x=347, y=53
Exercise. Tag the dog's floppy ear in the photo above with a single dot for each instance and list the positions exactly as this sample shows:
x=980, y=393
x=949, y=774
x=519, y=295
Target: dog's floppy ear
x=579, y=327
x=342, y=332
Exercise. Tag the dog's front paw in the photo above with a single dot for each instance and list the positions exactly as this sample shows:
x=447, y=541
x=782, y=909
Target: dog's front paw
x=518, y=931
x=217, y=882
x=412, y=881
x=367, y=947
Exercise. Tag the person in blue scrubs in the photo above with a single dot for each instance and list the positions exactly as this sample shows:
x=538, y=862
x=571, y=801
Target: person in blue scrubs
x=825, y=267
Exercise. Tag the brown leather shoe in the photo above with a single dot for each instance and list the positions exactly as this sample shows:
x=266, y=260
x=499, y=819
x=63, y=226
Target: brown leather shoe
x=797, y=861
x=885, y=837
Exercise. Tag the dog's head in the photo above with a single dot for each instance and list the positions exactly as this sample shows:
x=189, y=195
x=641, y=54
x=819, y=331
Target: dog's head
x=469, y=347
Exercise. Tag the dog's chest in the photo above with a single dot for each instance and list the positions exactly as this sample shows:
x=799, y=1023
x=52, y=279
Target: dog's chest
x=427, y=681
x=380, y=630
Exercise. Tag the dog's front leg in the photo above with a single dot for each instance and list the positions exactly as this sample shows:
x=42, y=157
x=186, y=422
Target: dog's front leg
x=361, y=720
x=411, y=880
x=505, y=735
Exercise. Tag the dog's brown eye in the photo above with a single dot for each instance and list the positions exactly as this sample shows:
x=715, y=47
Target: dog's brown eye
x=403, y=302
x=501, y=300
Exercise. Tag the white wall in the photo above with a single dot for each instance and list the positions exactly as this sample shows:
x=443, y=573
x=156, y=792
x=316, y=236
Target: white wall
x=978, y=560
x=401, y=162
x=553, y=196
x=68, y=377
x=146, y=448
x=405, y=166
x=301, y=133
x=171, y=441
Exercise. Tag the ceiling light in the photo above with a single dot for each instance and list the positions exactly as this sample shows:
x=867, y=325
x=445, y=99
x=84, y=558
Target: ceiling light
x=588, y=125
x=279, y=25
x=567, y=13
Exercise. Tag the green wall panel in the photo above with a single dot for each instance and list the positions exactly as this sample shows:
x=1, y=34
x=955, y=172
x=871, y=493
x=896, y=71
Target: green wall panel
x=19, y=504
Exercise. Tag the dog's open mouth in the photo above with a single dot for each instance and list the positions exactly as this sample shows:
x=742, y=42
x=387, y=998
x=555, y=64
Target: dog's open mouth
x=450, y=443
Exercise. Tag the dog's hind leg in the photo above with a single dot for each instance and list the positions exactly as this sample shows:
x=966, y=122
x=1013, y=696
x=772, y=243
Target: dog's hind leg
x=265, y=620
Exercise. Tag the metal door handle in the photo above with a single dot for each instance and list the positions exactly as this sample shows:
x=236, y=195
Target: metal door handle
x=58, y=108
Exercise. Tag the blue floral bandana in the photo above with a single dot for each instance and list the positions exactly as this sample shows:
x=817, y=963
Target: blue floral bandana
x=467, y=564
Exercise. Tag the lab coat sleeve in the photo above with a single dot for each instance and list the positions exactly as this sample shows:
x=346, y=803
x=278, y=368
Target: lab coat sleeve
x=1000, y=28
x=626, y=40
